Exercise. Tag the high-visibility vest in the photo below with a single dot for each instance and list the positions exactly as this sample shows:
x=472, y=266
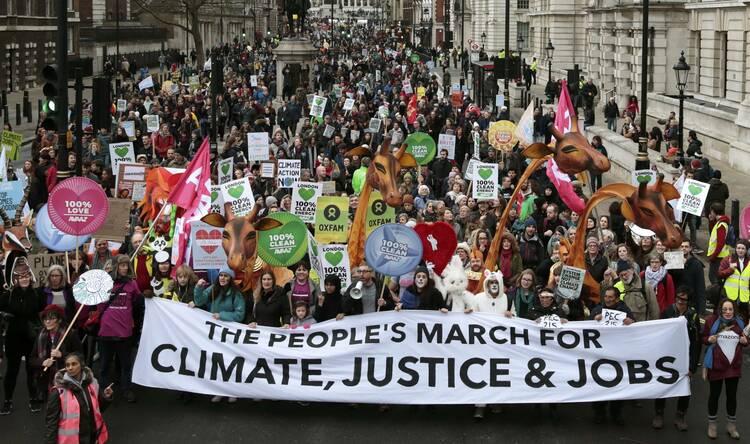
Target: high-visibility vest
x=534, y=65
x=737, y=286
x=712, y=241
x=70, y=416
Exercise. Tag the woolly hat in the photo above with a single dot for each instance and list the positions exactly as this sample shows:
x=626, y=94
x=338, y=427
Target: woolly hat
x=464, y=246
x=422, y=269
x=529, y=223
x=592, y=239
x=270, y=200
x=407, y=199
x=623, y=265
x=228, y=271
x=53, y=309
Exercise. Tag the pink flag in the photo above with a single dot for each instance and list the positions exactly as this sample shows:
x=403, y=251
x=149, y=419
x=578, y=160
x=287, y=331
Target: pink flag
x=561, y=181
x=193, y=193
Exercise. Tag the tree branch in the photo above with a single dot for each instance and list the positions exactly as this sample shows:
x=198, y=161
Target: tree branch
x=151, y=12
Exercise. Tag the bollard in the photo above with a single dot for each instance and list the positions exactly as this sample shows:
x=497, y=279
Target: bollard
x=26, y=109
x=736, y=218
x=38, y=107
x=18, y=114
x=4, y=96
x=6, y=116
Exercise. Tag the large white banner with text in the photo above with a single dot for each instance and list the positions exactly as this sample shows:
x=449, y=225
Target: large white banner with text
x=412, y=357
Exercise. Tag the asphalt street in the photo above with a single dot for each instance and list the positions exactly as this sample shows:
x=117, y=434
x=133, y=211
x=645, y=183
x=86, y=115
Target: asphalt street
x=159, y=417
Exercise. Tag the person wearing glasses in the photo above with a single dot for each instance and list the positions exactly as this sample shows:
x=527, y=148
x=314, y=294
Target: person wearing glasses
x=365, y=294
x=681, y=307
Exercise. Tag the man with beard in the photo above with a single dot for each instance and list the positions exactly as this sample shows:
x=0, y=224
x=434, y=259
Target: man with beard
x=476, y=268
x=638, y=297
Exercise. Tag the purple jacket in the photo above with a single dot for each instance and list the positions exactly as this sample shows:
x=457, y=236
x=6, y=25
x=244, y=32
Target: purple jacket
x=125, y=312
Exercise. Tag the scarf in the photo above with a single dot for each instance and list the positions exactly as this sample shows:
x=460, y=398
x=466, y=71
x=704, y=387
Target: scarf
x=654, y=277
x=524, y=298
x=506, y=258
x=708, y=359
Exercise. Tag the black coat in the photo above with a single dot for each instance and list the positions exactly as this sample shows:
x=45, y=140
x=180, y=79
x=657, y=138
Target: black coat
x=432, y=299
x=272, y=310
x=24, y=305
x=333, y=304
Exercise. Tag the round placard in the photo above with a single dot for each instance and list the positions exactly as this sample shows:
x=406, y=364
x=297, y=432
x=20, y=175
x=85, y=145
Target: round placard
x=52, y=238
x=393, y=249
x=502, y=135
x=284, y=245
x=78, y=206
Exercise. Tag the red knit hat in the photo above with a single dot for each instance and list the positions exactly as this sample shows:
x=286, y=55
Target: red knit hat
x=53, y=309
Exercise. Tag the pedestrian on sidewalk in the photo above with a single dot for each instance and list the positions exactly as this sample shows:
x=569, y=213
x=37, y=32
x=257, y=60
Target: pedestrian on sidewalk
x=611, y=113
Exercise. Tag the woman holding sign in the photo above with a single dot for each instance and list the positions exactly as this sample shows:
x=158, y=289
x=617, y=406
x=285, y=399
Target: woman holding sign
x=722, y=365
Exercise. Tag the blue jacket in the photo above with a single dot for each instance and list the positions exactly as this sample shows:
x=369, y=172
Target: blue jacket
x=230, y=306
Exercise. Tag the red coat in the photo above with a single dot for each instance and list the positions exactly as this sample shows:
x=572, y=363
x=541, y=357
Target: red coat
x=665, y=292
x=722, y=368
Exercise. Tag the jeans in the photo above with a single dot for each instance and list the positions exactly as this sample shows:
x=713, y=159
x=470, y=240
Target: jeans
x=713, y=271
x=715, y=393
x=615, y=408
x=612, y=123
x=120, y=347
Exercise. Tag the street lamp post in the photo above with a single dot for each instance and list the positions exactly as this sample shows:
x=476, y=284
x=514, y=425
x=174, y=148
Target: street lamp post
x=681, y=70
x=550, y=51
x=641, y=160
x=520, y=57
x=506, y=91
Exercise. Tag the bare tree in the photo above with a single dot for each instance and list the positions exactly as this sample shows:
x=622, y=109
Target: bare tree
x=164, y=11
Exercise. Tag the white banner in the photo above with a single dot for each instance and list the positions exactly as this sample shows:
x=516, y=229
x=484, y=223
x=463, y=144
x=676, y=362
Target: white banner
x=412, y=357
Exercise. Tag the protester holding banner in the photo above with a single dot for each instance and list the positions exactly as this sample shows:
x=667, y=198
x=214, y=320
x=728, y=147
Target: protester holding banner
x=182, y=287
x=426, y=295
x=722, y=365
x=522, y=296
x=366, y=294
x=681, y=307
x=75, y=406
x=638, y=297
x=120, y=320
x=222, y=298
x=270, y=304
x=23, y=302
x=330, y=301
x=302, y=288
x=656, y=277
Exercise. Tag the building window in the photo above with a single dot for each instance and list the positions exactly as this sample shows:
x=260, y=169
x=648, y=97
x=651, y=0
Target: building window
x=523, y=31
x=522, y=4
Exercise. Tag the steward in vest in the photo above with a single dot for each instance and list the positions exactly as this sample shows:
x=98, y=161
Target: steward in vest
x=717, y=247
x=735, y=270
x=74, y=411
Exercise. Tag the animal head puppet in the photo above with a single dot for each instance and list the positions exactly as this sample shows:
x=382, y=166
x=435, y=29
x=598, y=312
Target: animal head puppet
x=384, y=169
x=240, y=239
x=647, y=207
x=572, y=152
x=493, y=282
x=453, y=282
x=15, y=242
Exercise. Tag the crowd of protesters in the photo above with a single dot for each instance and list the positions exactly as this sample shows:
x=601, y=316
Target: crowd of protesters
x=631, y=268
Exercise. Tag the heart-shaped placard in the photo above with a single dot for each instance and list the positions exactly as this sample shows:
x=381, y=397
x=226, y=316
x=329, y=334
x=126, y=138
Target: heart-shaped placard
x=695, y=189
x=78, y=206
x=225, y=168
x=485, y=173
x=334, y=257
x=306, y=193
x=438, y=243
x=236, y=191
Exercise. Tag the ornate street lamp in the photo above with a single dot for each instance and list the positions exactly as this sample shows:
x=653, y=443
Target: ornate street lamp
x=550, y=51
x=681, y=70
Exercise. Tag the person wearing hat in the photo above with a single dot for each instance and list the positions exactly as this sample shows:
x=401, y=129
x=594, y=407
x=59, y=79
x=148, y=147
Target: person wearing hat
x=596, y=263
x=45, y=354
x=463, y=251
x=475, y=271
x=531, y=248
x=638, y=297
x=120, y=321
x=407, y=206
x=330, y=300
x=24, y=303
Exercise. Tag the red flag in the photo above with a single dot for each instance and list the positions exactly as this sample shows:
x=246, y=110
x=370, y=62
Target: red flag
x=560, y=179
x=198, y=171
x=411, y=110
x=193, y=193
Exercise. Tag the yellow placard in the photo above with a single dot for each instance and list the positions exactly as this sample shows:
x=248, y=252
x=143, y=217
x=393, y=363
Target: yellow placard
x=502, y=135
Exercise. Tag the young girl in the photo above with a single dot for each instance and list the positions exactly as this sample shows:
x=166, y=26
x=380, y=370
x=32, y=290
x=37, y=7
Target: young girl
x=182, y=288
x=301, y=317
x=162, y=279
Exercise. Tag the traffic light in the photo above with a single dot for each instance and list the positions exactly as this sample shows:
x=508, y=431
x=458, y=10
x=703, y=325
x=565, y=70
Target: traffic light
x=51, y=89
x=101, y=115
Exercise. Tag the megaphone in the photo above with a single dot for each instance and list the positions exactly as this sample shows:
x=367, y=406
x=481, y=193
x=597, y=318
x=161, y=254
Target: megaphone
x=356, y=292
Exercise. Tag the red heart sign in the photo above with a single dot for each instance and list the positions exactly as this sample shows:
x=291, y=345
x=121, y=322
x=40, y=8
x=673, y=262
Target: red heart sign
x=438, y=243
x=203, y=234
x=209, y=248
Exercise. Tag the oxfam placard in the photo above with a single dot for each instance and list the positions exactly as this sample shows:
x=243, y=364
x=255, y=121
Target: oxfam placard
x=393, y=249
x=421, y=146
x=285, y=245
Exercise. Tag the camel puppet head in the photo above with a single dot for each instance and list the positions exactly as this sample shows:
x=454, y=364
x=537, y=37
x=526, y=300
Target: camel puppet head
x=572, y=152
x=384, y=168
x=647, y=207
x=240, y=238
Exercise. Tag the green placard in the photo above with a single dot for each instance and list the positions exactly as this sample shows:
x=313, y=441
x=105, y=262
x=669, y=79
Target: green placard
x=414, y=58
x=422, y=147
x=11, y=143
x=285, y=245
x=378, y=212
x=331, y=219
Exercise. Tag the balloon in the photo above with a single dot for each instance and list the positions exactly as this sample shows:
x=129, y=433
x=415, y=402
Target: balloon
x=51, y=237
